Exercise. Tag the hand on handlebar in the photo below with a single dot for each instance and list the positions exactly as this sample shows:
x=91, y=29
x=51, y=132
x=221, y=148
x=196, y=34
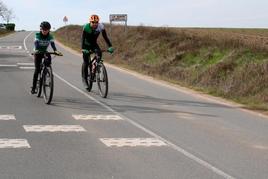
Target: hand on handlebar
x=110, y=50
x=85, y=51
x=36, y=52
x=58, y=53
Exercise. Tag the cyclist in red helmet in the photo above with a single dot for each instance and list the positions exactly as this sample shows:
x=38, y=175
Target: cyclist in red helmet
x=91, y=32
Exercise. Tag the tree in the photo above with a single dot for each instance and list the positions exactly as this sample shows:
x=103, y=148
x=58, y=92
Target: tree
x=3, y=9
x=8, y=15
x=5, y=13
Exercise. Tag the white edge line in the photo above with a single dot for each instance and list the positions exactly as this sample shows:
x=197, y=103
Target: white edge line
x=172, y=145
x=24, y=41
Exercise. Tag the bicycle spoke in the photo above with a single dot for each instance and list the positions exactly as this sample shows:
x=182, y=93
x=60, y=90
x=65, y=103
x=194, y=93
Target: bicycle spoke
x=102, y=80
x=48, y=85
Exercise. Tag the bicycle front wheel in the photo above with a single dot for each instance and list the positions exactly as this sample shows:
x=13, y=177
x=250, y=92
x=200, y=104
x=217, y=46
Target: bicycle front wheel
x=48, y=84
x=102, y=80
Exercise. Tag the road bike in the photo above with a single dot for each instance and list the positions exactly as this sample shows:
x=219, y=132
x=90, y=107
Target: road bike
x=45, y=80
x=96, y=73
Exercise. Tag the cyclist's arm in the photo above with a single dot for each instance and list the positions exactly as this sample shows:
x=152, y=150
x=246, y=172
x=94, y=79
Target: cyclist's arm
x=104, y=34
x=52, y=43
x=36, y=44
x=83, y=40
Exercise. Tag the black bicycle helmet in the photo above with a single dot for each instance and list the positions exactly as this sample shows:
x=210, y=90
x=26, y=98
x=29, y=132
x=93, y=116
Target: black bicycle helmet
x=45, y=25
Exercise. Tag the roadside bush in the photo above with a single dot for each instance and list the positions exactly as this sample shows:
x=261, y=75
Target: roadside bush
x=10, y=27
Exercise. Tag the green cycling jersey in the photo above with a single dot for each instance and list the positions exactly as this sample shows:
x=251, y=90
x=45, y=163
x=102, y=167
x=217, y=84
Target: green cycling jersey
x=90, y=36
x=42, y=42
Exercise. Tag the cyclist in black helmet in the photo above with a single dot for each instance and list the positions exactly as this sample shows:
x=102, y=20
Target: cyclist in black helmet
x=41, y=43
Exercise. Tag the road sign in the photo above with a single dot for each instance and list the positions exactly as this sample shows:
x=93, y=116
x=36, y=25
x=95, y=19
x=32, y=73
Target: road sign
x=65, y=19
x=118, y=17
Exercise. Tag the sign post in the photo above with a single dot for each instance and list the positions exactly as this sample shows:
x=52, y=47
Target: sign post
x=65, y=20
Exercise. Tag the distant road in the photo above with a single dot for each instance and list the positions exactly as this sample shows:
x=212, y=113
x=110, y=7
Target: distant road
x=144, y=129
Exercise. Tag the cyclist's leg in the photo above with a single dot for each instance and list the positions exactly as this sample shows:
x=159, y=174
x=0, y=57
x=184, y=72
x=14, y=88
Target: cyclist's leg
x=37, y=63
x=85, y=69
x=47, y=61
x=98, y=51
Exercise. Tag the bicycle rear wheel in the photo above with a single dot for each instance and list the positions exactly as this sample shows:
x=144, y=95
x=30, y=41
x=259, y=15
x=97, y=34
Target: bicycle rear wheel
x=39, y=85
x=48, y=84
x=102, y=80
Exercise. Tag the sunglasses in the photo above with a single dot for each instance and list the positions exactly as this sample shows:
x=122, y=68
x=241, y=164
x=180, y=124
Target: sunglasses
x=94, y=22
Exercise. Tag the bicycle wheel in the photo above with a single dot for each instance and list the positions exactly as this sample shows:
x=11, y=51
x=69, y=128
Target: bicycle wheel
x=87, y=80
x=39, y=85
x=48, y=84
x=102, y=80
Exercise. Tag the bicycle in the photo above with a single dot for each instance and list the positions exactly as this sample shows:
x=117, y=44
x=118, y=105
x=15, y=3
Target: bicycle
x=96, y=73
x=45, y=80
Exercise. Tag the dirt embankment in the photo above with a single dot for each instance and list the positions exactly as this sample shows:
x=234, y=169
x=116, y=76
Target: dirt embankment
x=231, y=63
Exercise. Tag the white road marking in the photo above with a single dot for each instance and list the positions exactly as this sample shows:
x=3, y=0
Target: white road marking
x=172, y=145
x=27, y=68
x=14, y=143
x=21, y=67
x=97, y=117
x=261, y=147
x=132, y=142
x=25, y=64
x=7, y=117
x=184, y=115
x=16, y=47
x=24, y=41
x=53, y=128
x=7, y=65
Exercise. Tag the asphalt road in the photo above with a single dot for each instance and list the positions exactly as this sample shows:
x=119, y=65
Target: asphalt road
x=144, y=129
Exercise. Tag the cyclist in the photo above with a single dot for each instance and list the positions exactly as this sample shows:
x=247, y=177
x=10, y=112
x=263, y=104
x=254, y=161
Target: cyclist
x=41, y=43
x=91, y=32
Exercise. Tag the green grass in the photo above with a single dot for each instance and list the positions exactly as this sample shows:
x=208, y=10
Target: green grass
x=151, y=57
x=204, y=58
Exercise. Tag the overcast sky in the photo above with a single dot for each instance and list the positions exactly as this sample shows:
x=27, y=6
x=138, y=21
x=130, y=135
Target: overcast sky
x=178, y=13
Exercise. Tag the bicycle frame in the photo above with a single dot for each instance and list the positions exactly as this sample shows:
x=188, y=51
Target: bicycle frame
x=97, y=73
x=45, y=81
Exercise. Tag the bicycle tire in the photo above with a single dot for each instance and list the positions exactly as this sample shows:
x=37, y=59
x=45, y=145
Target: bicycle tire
x=102, y=80
x=48, y=84
x=87, y=81
x=39, y=85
